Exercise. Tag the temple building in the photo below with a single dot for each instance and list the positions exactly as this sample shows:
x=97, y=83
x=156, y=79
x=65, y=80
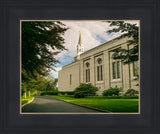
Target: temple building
x=97, y=66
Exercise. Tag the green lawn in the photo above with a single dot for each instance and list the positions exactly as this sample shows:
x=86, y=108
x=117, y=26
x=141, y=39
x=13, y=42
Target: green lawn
x=25, y=100
x=112, y=105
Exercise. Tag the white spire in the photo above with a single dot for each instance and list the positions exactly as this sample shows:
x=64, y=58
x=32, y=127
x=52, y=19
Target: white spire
x=80, y=41
x=80, y=47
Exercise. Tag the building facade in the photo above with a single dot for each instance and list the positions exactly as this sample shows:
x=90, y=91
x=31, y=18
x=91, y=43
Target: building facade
x=97, y=66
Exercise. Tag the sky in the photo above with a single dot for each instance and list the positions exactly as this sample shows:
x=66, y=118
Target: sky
x=93, y=33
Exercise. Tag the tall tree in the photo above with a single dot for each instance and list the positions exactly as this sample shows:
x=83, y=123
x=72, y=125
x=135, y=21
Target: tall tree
x=131, y=31
x=40, y=42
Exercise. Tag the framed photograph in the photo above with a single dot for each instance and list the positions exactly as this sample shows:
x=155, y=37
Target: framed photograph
x=79, y=67
x=60, y=74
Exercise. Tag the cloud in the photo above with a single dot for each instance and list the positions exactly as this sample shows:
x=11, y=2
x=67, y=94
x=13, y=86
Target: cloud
x=55, y=73
x=93, y=33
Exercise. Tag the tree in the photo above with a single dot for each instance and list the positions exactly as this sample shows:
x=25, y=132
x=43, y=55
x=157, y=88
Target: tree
x=40, y=42
x=24, y=89
x=131, y=31
x=51, y=83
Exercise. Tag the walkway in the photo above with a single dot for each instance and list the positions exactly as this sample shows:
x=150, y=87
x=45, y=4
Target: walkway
x=46, y=104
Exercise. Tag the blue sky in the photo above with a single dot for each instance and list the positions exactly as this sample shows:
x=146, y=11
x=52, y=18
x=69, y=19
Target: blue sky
x=93, y=34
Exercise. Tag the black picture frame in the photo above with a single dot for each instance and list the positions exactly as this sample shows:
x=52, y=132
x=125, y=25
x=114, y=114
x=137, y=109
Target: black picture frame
x=11, y=12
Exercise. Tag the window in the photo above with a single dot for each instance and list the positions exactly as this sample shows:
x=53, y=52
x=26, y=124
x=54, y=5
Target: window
x=87, y=72
x=101, y=76
x=99, y=73
x=87, y=75
x=99, y=70
x=135, y=68
x=99, y=60
x=87, y=64
x=116, y=70
x=70, y=79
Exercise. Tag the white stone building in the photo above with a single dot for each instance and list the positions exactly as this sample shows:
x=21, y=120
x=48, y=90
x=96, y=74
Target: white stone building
x=96, y=66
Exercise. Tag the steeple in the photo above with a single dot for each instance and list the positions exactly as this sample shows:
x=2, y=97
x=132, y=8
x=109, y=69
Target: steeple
x=80, y=48
x=80, y=41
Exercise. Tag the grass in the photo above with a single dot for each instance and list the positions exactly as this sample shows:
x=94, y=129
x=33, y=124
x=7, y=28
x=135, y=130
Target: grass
x=104, y=103
x=26, y=100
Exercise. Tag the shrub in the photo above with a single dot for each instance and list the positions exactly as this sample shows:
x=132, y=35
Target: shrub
x=66, y=93
x=55, y=92
x=131, y=92
x=111, y=92
x=43, y=93
x=85, y=90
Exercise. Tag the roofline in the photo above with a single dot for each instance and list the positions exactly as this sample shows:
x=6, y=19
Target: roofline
x=103, y=44
x=70, y=63
x=96, y=47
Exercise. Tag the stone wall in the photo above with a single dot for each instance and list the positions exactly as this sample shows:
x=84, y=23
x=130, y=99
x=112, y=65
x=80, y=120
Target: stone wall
x=69, y=77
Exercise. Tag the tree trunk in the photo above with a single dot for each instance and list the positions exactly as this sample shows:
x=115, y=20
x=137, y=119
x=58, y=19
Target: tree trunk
x=25, y=93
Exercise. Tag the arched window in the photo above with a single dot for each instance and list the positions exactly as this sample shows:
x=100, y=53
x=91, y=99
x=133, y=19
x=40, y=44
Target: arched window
x=116, y=69
x=87, y=72
x=87, y=64
x=99, y=70
x=99, y=60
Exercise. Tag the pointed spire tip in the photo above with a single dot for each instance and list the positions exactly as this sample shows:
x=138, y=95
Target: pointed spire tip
x=79, y=42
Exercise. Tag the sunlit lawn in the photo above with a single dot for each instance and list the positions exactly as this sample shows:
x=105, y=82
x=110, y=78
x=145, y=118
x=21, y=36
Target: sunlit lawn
x=25, y=100
x=112, y=105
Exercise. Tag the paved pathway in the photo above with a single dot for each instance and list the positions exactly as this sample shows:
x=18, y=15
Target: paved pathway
x=46, y=104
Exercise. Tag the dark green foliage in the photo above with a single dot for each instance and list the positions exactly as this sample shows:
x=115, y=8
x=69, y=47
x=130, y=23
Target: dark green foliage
x=131, y=31
x=111, y=92
x=79, y=94
x=40, y=42
x=39, y=84
x=23, y=87
x=51, y=84
x=50, y=93
x=66, y=93
x=131, y=92
x=56, y=92
x=85, y=90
